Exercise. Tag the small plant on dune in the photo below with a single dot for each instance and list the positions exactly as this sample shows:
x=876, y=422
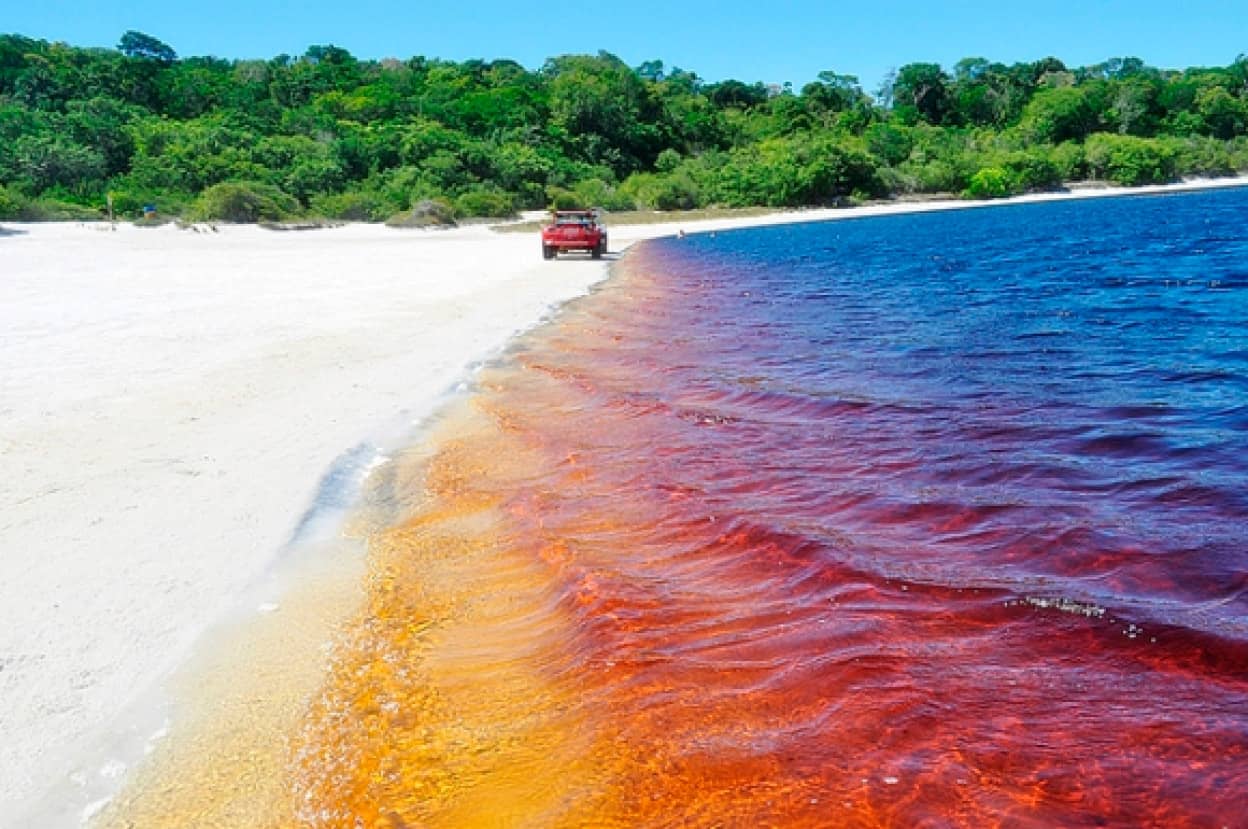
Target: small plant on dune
x=351, y=206
x=243, y=203
x=485, y=202
x=430, y=213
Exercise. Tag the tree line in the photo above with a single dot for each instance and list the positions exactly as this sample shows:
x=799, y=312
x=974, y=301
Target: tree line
x=330, y=135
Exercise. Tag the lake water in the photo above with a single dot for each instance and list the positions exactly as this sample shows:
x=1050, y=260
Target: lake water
x=925, y=520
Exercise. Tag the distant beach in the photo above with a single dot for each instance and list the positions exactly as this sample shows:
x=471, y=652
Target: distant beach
x=180, y=408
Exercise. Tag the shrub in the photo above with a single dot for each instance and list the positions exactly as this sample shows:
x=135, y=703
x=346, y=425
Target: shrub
x=1237, y=153
x=1201, y=156
x=352, y=206
x=486, y=202
x=594, y=192
x=56, y=210
x=561, y=198
x=13, y=205
x=793, y=171
x=674, y=191
x=430, y=213
x=940, y=176
x=1068, y=159
x=889, y=143
x=16, y=207
x=1128, y=160
x=129, y=202
x=1032, y=170
x=401, y=187
x=895, y=181
x=242, y=202
x=990, y=183
x=667, y=161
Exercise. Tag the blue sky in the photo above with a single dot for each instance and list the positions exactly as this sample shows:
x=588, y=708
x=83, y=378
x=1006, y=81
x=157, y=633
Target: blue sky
x=756, y=41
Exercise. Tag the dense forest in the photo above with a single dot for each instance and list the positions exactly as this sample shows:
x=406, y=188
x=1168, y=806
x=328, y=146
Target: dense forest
x=329, y=135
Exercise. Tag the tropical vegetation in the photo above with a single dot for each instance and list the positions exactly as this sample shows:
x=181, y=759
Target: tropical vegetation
x=327, y=134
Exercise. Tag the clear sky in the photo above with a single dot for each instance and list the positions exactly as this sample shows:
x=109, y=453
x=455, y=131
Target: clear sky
x=773, y=41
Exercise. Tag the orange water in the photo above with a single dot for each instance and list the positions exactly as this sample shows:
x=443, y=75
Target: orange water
x=580, y=618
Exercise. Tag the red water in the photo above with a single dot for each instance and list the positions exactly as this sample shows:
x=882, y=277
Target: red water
x=937, y=522
x=621, y=598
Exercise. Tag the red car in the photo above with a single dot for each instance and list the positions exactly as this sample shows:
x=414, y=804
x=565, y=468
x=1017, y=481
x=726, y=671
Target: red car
x=575, y=230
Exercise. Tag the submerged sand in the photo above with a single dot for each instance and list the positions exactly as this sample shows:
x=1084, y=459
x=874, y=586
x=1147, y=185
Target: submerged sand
x=175, y=404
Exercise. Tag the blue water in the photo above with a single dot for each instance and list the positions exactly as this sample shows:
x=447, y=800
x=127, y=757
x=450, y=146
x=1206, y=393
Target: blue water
x=1087, y=359
x=926, y=520
x=956, y=500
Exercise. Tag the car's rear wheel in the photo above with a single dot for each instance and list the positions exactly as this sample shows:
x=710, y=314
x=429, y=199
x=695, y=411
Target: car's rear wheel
x=599, y=250
x=548, y=251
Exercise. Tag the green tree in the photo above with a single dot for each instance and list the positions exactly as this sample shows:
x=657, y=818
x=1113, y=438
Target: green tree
x=45, y=161
x=1056, y=115
x=922, y=88
x=138, y=45
x=1135, y=109
x=366, y=139
x=834, y=92
x=602, y=111
x=734, y=93
x=1225, y=115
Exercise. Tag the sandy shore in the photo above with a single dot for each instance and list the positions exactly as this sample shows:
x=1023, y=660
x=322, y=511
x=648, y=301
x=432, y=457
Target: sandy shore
x=174, y=404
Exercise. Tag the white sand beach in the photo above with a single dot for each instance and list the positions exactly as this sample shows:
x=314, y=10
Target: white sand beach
x=171, y=403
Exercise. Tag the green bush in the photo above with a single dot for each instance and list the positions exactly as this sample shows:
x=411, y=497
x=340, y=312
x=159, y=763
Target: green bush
x=16, y=207
x=1069, y=161
x=128, y=203
x=429, y=213
x=990, y=183
x=1237, y=154
x=673, y=191
x=1201, y=156
x=940, y=176
x=676, y=192
x=485, y=202
x=401, y=187
x=352, y=206
x=594, y=192
x=13, y=205
x=56, y=210
x=803, y=169
x=889, y=143
x=1032, y=170
x=896, y=182
x=561, y=198
x=243, y=203
x=1128, y=160
x=667, y=161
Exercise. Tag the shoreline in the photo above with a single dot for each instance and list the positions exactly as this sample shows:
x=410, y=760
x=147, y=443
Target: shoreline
x=888, y=208
x=178, y=408
x=175, y=406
